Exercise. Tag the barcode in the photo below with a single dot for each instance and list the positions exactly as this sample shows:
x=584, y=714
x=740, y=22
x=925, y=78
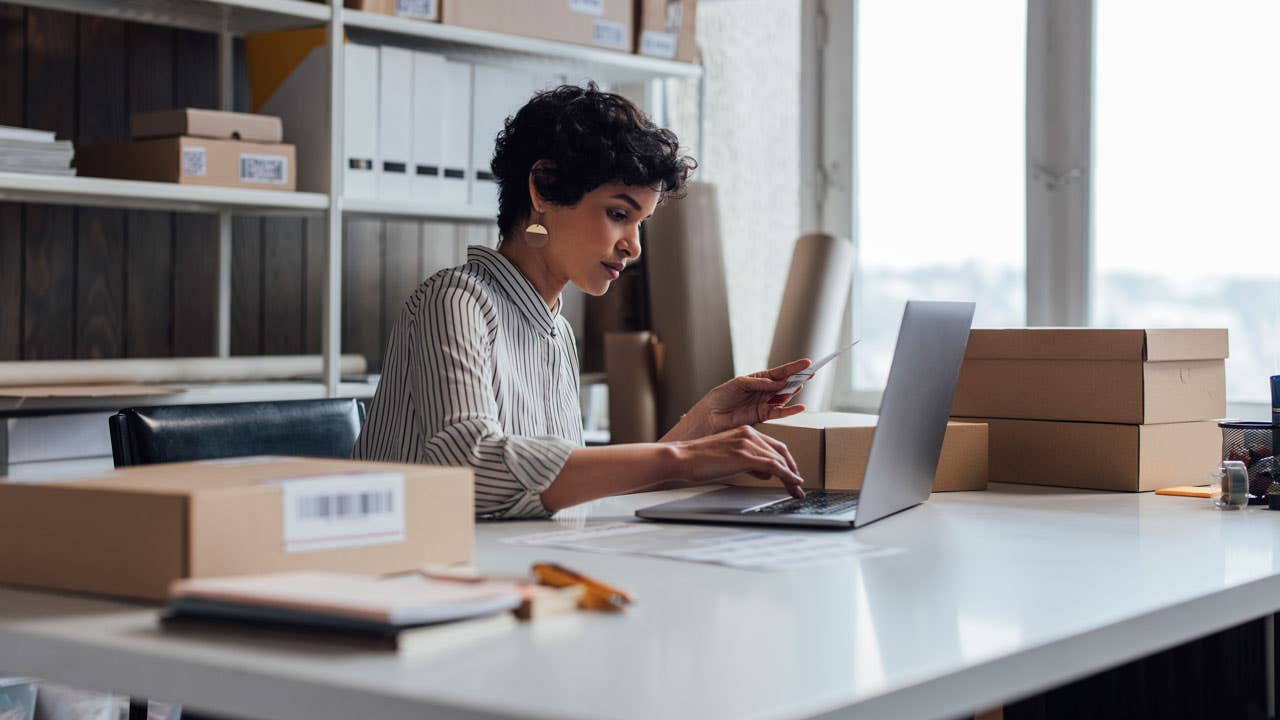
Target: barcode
x=416, y=8
x=346, y=505
x=193, y=162
x=270, y=169
x=608, y=33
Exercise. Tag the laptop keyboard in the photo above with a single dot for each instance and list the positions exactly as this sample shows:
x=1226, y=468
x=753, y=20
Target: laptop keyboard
x=819, y=502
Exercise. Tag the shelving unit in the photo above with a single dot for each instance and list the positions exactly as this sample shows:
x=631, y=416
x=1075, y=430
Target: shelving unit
x=229, y=18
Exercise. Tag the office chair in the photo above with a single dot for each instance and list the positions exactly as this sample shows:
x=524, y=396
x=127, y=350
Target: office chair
x=177, y=433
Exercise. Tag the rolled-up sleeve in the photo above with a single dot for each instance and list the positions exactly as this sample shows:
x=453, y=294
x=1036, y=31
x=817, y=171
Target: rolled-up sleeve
x=457, y=406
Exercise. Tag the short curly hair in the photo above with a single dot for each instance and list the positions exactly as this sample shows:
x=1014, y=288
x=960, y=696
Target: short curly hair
x=584, y=138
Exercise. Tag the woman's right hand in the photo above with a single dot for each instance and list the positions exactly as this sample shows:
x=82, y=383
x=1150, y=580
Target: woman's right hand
x=740, y=449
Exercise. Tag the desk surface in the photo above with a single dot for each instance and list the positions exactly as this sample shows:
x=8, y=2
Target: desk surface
x=975, y=599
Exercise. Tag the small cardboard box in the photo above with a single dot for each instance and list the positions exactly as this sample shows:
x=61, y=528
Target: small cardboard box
x=1132, y=377
x=193, y=161
x=599, y=23
x=666, y=29
x=206, y=124
x=831, y=451
x=132, y=531
x=1102, y=456
x=416, y=9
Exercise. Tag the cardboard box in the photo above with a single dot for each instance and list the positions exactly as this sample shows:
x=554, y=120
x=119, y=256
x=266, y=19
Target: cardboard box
x=1132, y=377
x=666, y=29
x=193, y=161
x=1102, y=456
x=599, y=23
x=206, y=124
x=415, y=9
x=831, y=451
x=132, y=531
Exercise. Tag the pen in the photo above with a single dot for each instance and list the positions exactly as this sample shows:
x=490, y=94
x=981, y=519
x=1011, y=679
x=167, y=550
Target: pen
x=596, y=596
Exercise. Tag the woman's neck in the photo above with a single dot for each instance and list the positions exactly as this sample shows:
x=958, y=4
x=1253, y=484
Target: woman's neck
x=532, y=263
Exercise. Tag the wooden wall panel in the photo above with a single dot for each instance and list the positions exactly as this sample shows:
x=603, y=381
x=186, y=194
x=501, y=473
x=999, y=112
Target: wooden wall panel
x=282, y=292
x=246, y=286
x=362, y=291
x=313, y=286
x=195, y=242
x=401, y=269
x=48, y=323
x=149, y=234
x=13, y=44
x=103, y=117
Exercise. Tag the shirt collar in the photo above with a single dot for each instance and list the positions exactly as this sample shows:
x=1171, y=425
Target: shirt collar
x=517, y=287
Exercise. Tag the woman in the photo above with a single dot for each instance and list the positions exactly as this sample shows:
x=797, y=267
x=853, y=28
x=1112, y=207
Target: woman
x=481, y=369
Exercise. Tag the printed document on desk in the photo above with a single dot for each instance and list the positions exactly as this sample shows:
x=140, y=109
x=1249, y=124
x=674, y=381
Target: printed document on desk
x=763, y=550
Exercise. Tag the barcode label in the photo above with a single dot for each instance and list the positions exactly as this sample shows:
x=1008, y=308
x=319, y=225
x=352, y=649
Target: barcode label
x=658, y=44
x=193, y=162
x=342, y=511
x=609, y=34
x=590, y=7
x=424, y=9
x=265, y=169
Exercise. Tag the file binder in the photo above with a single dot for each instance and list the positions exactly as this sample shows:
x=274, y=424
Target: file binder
x=360, y=179
x=430, y=103
x=457, y=168
x=395, y=116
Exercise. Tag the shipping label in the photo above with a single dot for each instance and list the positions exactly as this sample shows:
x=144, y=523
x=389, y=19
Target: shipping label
x=589, y=7
x=424, y=9
x=264, y=169
x=609, y=34
x=658, y=44
x=342, y=511
x=193, y=162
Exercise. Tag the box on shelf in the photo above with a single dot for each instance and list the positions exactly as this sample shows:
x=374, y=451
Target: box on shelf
x=666, y=29
x=1102, y=456
x=599, y=23
x=132, y=531
x=194, y=161
x=414, y=9
x=1096, y=375
x=831, y=451
x=206, y=124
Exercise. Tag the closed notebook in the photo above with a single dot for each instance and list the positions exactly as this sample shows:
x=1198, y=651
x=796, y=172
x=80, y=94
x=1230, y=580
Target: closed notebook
x=341, y=600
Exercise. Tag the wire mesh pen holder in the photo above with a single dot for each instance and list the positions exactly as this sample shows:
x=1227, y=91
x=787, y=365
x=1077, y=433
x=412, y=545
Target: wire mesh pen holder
x=1251, y=444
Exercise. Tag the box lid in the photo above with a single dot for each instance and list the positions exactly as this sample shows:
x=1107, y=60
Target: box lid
x=1152, y=345
x=207, y=123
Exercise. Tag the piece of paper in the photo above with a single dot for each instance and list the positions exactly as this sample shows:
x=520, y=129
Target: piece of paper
x=716, y=545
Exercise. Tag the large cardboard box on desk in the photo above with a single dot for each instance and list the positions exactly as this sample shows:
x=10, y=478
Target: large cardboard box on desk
x=1102, y=456
x=831, y=451
x=1095, y=375
x=194, y=161
x=133, y=531
x=599, y=23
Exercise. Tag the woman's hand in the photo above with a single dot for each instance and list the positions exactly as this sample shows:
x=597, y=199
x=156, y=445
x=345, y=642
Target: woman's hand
x=741, y=449
x=745, y=400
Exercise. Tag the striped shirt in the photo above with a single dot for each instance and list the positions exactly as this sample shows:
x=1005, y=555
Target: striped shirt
x=479, y=373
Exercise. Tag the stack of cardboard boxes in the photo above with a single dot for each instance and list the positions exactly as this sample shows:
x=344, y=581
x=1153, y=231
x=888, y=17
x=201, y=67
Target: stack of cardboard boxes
x=197, y=147
x=1097, y=408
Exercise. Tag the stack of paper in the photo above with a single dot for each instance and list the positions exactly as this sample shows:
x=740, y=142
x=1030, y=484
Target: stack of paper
x=34, y=151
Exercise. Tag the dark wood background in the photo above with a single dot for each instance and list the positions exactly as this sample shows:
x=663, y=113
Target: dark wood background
x=105, y=283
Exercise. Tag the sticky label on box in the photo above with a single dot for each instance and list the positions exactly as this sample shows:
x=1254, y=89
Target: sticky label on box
x=194, y=162
x=608, y=33
x=424, y=9
x=658, y=44
x=264, y=169
x=589, y=7
x=342, y=511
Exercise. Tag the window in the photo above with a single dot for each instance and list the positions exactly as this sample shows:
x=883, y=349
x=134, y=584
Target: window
x=1187, y=175
x=940, y=149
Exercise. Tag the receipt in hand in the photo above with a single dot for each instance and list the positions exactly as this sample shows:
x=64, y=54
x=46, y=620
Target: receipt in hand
x=800, y=378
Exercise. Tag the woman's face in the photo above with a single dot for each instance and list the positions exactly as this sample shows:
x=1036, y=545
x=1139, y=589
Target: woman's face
x=592, y=241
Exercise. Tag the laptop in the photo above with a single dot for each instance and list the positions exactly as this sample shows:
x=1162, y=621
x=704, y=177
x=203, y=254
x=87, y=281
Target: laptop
x=904, y=450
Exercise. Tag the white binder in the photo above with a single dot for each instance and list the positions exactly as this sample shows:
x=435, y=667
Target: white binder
x=457, y=135
x=498, y=93
x=430, y=102
x=360, y=122
x=395, y=117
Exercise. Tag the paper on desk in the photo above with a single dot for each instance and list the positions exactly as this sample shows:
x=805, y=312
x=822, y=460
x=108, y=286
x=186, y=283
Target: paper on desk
x=720, y=546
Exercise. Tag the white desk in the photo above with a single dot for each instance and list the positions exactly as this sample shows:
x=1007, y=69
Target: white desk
x=985, y=597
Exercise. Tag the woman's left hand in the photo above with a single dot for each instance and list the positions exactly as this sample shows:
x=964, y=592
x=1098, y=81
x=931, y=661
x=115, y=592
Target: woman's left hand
x=745, y=400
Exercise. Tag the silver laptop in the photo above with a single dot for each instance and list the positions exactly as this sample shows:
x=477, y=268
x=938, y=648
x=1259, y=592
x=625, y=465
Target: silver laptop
x=904, y=450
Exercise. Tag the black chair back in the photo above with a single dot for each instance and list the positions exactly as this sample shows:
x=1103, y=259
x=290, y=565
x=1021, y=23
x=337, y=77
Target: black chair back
x=177, y=433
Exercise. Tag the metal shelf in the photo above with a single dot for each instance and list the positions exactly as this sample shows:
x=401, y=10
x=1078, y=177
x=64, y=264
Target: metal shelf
x=192, y=394
x=480, y=46
x=233, y=16
x=137, y=194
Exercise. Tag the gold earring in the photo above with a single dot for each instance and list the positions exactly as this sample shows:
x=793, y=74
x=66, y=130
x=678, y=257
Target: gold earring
x=536, y=229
